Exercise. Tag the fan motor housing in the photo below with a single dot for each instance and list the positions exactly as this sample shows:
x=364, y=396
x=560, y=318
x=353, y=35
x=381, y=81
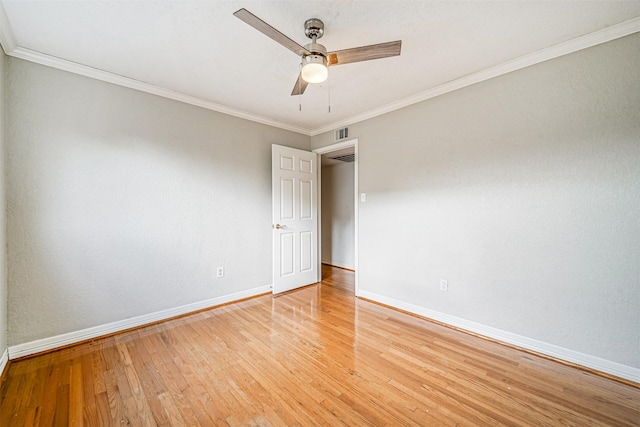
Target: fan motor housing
x=316, y=49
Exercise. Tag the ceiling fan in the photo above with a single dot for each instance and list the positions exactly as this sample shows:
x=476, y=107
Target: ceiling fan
x=315, y=58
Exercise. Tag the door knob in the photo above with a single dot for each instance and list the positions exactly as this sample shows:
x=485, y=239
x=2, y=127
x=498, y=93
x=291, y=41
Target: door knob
x=278, y=226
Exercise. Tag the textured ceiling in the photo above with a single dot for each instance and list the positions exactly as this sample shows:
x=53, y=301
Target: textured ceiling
x=201, y=52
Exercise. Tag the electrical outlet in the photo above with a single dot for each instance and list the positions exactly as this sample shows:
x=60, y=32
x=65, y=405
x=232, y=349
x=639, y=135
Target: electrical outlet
x=219, y=272
x=444, y=285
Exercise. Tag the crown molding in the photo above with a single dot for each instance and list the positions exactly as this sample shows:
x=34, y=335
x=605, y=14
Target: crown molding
x=583, y=42
x=95, y=73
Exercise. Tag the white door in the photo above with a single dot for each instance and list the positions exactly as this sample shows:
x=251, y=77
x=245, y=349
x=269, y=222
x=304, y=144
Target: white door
x=295, y=218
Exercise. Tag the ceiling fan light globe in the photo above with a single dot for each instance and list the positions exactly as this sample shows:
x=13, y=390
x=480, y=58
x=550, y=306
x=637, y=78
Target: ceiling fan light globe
x=314, y=69
x=314, y=73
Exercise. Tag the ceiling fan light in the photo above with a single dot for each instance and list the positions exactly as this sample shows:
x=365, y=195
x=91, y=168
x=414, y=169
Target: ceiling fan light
x=314, y=69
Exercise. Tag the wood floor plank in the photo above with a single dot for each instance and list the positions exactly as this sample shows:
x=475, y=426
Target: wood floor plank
x=314, y=356
x=102, y=414
x=76, y=395
x=171, y=410
x=51, y=376
x=62, y=412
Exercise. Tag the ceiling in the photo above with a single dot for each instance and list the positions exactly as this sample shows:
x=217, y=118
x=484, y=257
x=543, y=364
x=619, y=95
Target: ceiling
x=198, y=52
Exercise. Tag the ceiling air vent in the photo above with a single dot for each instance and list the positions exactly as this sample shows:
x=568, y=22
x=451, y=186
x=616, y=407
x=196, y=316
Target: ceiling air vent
x=347, y=158
x=342, y=134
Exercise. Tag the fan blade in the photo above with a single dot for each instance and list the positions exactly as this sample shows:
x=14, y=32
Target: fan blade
x=364, y=53
x=269, y=31
x=300, y=86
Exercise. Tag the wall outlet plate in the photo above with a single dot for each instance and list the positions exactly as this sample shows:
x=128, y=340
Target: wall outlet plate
x=444, y=285
x=219, y=272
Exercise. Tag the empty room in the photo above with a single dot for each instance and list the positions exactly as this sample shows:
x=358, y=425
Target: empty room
x=320, y=213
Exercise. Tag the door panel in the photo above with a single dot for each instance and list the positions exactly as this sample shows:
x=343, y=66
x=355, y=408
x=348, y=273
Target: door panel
x=286, y=199
x=287, y=254
x=306, y=251
x=295, y=218
x=306, y=204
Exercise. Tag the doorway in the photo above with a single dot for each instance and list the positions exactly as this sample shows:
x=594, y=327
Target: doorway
x=338, y=206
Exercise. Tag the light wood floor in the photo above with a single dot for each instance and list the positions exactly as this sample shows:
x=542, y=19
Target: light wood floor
x=316, y=356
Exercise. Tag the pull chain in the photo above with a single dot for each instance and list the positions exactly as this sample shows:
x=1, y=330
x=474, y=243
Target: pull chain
x=299, y=88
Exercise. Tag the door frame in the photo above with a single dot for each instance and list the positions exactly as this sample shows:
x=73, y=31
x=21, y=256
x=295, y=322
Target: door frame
x=356, y=200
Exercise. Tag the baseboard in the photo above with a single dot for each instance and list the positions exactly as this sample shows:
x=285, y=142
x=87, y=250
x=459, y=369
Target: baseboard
x=339, y=264
x=591, y=362
x=3, y=363
x=58, y=341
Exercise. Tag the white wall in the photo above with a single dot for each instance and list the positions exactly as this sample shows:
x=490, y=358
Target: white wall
x=121, y=203
x=3, y=235
x=338, y=220
x=524, y=192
